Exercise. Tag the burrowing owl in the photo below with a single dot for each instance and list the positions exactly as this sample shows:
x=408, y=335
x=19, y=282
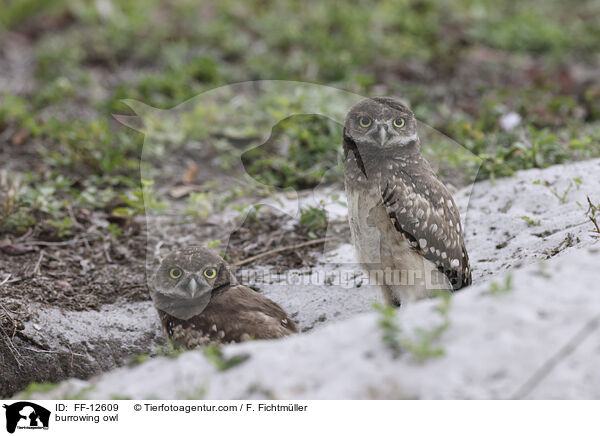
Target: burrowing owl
x=402, y=218
x=199, y=301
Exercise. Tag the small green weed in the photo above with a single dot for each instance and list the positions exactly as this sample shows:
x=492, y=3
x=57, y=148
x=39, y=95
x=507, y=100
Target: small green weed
x=593, y=213
x=390, y=328
x=575, y=182
x=426, y=345
x=531, y=221
x=63, y=227
x=314, y=219
x=35, y=388
x=215, y=355
x=199, y=204
x=502, y=288
x=139, y=201
x=170, y=350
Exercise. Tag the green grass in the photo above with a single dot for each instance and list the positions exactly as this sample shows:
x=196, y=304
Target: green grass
x=426, y=342
x=314, y=220
x=87, y=58
x=389, y=327
x=502, y=288
x=530, y=221
x=561, y=195
x=593, y=214
x=214, y=354
x=36, y=388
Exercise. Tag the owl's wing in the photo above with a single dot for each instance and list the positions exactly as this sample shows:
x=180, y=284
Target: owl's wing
x=244, y=312
x=423, y=210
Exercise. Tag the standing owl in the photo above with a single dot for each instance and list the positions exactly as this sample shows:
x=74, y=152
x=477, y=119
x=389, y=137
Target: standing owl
x=199, y=301
x=404, y=222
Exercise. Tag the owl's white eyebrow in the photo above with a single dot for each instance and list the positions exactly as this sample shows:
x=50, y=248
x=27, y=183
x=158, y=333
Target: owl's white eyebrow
x=407, y=139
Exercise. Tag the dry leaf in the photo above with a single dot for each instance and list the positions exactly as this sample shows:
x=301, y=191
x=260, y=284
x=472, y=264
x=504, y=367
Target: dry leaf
x=16, y=249
x=20, y=137
x=183, y=190
x=191, y=172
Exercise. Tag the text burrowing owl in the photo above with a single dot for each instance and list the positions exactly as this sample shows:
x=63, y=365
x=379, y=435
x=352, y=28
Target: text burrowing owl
x=402, y=218
x=199, y=301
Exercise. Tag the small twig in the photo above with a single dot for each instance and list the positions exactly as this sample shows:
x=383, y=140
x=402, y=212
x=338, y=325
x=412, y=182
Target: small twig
x=595, y=222
x=592, y=214
x=55, y=244
x=36, y=270
x=11, y=346
x=551, y=363
x=72, y=216
x=27, y=338
x=106, y=254
x=8, y=314
x=53, y=351
x=3, y=282
x=25, y=236
x=72, y=354
x=16, y=279
x=280, y=249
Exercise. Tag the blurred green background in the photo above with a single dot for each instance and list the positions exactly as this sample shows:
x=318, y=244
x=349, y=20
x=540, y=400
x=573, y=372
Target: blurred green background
x=463, y=66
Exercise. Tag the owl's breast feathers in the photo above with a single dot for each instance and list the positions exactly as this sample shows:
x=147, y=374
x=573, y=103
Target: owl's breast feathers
x=417, y=202
x=235, y=314
x=422, y=209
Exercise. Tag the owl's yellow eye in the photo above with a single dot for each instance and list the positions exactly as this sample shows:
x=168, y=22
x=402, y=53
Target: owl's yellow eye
x=364, y=122
x=175, y=273
x=399, y=123
x=210, y=273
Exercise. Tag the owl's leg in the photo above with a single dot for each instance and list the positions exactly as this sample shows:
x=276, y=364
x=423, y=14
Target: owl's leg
x=392, y=298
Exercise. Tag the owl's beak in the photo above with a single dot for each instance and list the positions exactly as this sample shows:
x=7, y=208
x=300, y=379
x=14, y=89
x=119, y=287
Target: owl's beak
x=192, y=287
x=382, y=135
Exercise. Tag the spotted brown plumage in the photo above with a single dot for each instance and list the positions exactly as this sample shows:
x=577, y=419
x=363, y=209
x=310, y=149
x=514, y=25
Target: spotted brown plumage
x=412, y=220
x=199, y=302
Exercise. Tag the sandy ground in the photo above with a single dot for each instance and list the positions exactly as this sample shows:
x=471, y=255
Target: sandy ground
x=539, y=339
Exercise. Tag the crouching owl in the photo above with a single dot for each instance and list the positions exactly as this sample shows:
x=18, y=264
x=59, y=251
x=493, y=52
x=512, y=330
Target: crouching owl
x=404, y=223
x=199, y=301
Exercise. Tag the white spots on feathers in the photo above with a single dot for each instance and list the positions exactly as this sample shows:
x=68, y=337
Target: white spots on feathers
x=423, y=243
x=454, y=263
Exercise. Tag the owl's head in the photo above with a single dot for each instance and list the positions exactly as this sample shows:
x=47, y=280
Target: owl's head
x=380, y=122
x=186, y=280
